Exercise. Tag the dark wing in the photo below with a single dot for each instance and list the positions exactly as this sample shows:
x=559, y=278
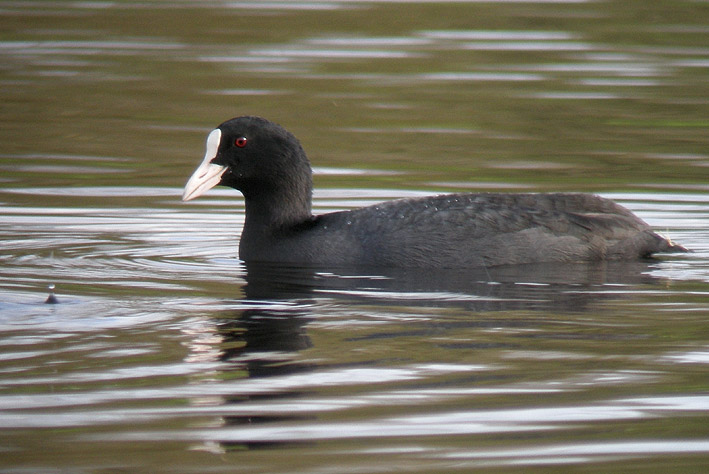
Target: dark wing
x=494, y=229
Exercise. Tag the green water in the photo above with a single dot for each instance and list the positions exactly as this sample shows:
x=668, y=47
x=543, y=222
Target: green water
x=587, y=95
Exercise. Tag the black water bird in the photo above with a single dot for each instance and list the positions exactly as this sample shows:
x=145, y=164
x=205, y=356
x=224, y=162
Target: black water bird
x=268, y=165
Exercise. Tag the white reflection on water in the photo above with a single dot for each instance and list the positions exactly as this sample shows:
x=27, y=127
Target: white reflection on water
x=84, y=47
x=479, y=76
x=620, y=82
x=581, y=452
x=280, y=5
x=246, y=92
x=254, y=386
x=624, y=69
x=574, y=95
x=527, y=46
x=498, y=35
x=299, y=52
x=691, y=357
x=371, y=41
x=438, y=424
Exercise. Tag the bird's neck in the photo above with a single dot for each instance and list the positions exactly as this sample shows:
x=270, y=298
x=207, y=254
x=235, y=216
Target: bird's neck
x=272, y=211
x=268, y=219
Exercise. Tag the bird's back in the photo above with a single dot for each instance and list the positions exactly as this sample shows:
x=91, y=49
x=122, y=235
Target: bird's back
x=467, y=230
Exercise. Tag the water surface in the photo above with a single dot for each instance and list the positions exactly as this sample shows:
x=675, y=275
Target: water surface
x=166, y=353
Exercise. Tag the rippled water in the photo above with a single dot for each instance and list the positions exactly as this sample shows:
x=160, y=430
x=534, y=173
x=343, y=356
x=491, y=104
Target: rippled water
x=165, y=353
x=165, y=345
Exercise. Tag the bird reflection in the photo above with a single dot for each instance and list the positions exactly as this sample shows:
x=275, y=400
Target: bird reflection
x=265, y=336
x=264, y=340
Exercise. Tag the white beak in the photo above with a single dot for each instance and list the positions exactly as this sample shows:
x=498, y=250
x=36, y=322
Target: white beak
x=207, y=175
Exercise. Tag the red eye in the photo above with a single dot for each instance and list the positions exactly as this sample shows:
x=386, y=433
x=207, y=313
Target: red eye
x=241, y=142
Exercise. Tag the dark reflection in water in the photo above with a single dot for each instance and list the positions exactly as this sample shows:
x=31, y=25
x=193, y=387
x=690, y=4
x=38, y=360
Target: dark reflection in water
x=262, y=339
x=535, y=287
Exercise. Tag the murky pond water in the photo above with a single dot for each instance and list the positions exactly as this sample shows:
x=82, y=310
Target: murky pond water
x=166, y=353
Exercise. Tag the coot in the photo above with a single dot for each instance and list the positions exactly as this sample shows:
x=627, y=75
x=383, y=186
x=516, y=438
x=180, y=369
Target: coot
x=268, y=165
